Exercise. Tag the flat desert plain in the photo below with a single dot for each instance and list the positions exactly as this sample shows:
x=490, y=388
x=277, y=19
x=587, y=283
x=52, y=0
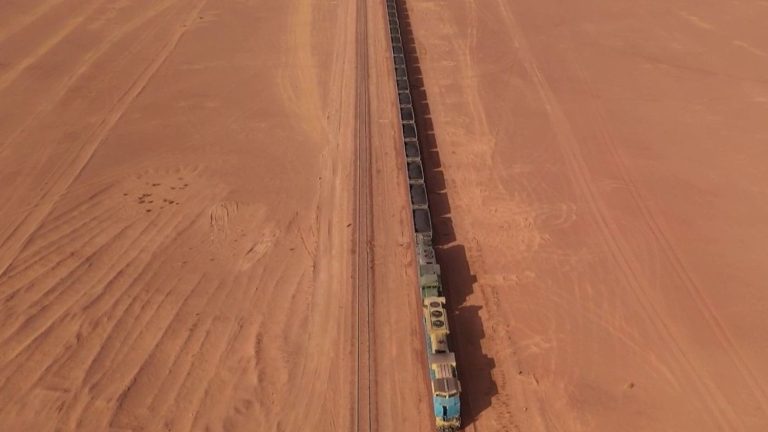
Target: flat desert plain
x=179, y=201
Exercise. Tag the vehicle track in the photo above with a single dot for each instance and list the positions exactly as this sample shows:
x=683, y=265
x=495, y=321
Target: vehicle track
x=364, y=370
x=718, y=407
x=13, y=242
x=671, y=255
x=55, y=39
x=28, y=18
x=87, y=62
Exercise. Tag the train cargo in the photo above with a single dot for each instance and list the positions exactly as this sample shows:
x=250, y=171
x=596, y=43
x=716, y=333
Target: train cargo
x=415, y=172
x=422, y=223
x=406, y=114
x=412, y=153
x=419, y=196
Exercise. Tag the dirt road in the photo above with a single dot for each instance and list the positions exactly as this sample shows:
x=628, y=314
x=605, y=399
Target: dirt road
x=605, y=207
x=177, y=207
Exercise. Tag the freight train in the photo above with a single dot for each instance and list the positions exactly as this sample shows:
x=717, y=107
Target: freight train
x=441, y=362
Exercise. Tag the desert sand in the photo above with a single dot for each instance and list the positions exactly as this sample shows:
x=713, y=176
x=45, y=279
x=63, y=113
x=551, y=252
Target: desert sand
x=179, y=217
x=176, y=201
x=604, y=209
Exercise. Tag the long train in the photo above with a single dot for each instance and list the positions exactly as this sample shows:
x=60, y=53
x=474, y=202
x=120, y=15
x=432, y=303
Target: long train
x=441, y=361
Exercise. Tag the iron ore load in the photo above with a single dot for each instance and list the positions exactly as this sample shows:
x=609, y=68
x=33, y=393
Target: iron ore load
x=441, y=362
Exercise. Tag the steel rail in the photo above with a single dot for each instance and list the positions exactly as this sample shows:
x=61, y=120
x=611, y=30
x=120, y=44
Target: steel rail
x=364, y=408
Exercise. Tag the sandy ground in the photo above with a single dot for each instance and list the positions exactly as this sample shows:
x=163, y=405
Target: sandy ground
x=604, y=164
x=177, y=193
x=175, y=247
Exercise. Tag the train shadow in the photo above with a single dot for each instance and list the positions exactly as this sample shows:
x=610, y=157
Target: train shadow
x=478, y=386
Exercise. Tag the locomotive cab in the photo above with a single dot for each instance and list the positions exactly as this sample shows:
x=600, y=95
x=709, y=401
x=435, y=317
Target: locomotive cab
x=445, y=391
x=447, y=410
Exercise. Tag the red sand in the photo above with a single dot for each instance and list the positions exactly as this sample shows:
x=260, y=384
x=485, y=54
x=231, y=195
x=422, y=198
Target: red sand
x=177, y=194
x=606, y=171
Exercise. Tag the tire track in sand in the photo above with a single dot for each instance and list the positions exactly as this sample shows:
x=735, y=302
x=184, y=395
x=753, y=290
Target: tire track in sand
x=159, y=371
x=245, y=349
x=19, y=23
x=49, y=252
x=138, y=308
x=92, y=272
x=167, y=370
x=11, y=74
x=718, y=405
x=117, y=255
x=85, y=64
x=669, y=251
x=47, y=281
x=121, y=313
x=49, y=176
x=49, y=312
x=13, y=244
x=102, y=310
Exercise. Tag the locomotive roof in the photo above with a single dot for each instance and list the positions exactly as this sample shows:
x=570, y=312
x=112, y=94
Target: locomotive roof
x=445, y=385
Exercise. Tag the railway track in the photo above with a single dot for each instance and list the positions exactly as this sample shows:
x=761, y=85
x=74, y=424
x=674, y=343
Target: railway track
x=364, y=400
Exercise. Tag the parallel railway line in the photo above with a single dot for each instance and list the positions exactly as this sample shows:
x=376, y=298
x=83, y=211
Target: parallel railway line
x=364, y=371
